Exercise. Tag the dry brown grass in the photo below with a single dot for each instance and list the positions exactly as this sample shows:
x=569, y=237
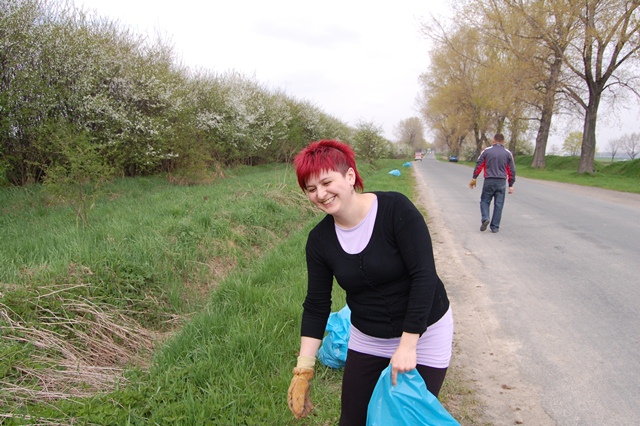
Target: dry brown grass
x=81, y=348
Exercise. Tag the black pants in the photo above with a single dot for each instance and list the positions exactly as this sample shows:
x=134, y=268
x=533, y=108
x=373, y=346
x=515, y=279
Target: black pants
x=361, y=373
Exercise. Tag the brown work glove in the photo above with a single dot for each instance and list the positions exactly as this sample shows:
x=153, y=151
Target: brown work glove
x=298, y=394
x=472, y=183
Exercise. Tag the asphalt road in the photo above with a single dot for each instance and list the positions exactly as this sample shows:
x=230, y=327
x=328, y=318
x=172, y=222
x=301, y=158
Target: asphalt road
x=563, y=275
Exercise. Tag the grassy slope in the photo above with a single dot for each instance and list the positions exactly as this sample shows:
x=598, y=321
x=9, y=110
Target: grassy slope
x=231, y=362
x=150, y=258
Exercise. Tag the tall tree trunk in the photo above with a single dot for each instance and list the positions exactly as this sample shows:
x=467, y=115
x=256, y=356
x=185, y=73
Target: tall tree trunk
x=514, y=130
x=450, y=142
x=513, y=143
x=500, y=123
x=480, y=139
x=548, y=103
x=588, y=152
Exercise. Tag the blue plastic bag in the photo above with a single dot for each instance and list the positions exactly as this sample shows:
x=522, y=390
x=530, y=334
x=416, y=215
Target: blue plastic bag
x=395, y=172
x=407, y=403
x=333, y=352
x=407, y=164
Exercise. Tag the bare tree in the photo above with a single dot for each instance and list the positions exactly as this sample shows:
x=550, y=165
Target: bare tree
x=594, y=40
x=557, y=32
x=534, y=37
x=463, y=83
x=631, y=144
x=610, y=38
x=614, y=145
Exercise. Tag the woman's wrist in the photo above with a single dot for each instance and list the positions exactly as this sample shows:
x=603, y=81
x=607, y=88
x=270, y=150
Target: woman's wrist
x=306, y=361
x=409, y=341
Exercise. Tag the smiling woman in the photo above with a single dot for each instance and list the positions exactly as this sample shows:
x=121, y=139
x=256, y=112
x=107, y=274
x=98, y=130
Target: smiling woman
x=330, y=180
x=327, y=190
x=377, y=247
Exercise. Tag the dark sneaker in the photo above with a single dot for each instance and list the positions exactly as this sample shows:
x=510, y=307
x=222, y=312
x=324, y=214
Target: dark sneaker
x=484, y=225
x=495, y=231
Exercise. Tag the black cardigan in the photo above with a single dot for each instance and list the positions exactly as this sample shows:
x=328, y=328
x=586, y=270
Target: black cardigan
x=391, y=286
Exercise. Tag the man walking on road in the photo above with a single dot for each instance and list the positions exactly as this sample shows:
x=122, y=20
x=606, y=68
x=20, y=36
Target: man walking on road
x=499, y=168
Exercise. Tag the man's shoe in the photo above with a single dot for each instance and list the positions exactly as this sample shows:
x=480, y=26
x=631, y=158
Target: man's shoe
x=495, y=231
x=484, y=225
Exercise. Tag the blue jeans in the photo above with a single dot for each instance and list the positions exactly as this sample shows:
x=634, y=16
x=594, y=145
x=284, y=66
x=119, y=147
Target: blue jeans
x=493, y=189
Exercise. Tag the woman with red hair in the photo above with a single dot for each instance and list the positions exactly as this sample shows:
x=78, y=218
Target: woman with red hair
x=377, y=247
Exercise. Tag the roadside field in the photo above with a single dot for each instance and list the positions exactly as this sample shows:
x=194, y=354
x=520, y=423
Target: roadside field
x=175, y=305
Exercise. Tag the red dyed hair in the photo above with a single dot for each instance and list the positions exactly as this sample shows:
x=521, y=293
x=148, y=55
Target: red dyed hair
x=326, y=155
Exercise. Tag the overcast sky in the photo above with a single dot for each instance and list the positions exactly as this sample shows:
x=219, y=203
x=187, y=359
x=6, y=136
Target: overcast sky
x=354, y=59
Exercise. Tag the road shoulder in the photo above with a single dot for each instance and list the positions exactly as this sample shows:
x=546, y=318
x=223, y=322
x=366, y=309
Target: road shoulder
x=486, y=360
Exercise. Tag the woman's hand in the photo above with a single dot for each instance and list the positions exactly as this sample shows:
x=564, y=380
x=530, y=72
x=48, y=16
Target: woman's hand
x=298, y=395
x=405, y=358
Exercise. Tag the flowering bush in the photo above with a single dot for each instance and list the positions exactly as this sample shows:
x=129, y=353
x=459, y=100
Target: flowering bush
x=141, y=112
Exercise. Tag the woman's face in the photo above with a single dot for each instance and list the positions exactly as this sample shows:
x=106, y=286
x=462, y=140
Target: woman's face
x=330, y=190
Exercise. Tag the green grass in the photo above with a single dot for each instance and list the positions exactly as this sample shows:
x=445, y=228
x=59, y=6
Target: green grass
x=147, y=231
x=208, y=280
x=621, y=176
x=179, y=304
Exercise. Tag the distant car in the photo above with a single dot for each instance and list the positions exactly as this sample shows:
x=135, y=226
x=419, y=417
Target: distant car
x=453, y=158
x=417, y=156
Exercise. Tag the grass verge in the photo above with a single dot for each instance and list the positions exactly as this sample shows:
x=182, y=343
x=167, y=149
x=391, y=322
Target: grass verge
x=177, y=305
x=621, y=176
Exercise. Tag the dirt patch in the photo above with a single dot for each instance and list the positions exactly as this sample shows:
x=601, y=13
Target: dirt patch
x=486, y=361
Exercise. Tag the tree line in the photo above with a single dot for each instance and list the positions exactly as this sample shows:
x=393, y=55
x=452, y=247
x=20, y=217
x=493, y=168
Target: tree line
x=83, y=97
x=511, y=66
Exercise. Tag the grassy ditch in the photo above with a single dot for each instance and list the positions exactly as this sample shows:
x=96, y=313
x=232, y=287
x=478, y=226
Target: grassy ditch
x=177, y=305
